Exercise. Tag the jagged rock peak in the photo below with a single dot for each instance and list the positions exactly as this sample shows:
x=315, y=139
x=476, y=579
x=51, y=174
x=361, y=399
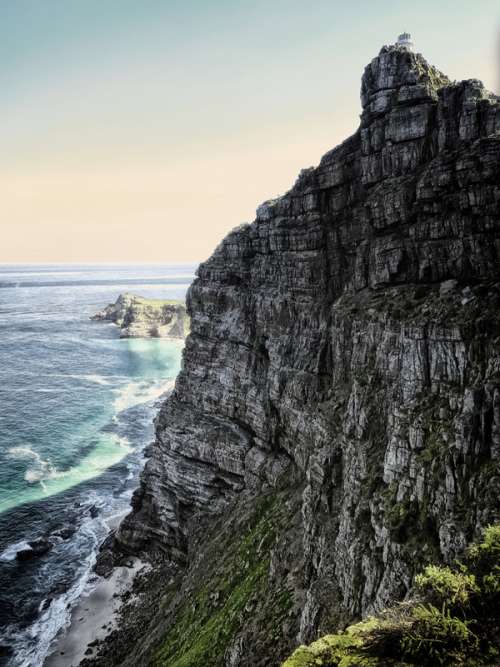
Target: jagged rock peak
x=398, y=75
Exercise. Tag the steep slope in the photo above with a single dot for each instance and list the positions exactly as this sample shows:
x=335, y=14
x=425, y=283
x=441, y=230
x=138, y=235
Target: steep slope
x=345, y=348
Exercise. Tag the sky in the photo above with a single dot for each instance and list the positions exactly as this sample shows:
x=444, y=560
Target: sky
x=144, y=130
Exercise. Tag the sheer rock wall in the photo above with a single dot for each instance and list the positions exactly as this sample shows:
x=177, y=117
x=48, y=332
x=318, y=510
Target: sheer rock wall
x=347, y=341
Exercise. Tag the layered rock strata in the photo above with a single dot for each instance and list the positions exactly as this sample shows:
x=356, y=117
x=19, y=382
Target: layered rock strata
x=138, y=317
x=346, y=344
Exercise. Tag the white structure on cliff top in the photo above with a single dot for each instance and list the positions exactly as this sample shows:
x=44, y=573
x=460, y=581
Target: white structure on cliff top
x=405, y=40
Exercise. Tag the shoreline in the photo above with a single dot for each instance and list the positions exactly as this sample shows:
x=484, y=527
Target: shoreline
x=94, y=617
x=95, y=614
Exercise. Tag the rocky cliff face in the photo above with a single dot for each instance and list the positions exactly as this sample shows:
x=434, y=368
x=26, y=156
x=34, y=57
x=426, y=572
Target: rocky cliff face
x=344, y=348
x=138, y=317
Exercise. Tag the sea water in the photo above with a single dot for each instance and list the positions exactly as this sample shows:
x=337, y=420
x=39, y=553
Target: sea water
x=76, y=411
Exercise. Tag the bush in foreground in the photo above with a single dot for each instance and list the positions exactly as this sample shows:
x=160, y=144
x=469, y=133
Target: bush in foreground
x=453, y=620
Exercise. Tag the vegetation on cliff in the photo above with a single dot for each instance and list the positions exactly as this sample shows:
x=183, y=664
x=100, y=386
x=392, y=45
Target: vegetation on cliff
x=193, y=617
x=453, y=620
x=228, y=594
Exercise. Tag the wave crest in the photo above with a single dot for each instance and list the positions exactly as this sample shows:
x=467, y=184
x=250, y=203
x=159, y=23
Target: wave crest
x=39, y=470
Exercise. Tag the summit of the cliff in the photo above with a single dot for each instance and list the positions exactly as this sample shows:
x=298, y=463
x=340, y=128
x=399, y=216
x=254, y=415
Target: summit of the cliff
x=397, y=75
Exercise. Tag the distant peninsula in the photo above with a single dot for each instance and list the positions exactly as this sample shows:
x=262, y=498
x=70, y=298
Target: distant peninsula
x=138, y=317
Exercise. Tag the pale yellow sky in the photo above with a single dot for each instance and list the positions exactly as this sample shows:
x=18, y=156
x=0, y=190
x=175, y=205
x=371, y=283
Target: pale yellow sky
x=155, y=210
x=145, y=131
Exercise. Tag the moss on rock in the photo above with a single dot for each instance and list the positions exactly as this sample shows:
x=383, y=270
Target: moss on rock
x=207, y=623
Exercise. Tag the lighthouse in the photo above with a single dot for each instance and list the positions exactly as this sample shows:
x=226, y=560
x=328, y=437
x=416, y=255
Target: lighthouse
x=405, y=40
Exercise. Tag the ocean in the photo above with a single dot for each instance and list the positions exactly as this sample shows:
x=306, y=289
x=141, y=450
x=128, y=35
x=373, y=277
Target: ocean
x=76, y=411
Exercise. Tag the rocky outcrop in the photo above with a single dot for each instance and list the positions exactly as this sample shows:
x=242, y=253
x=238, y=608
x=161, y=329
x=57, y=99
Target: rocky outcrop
x=345, y=345
x=138, y=317
x=34, y=549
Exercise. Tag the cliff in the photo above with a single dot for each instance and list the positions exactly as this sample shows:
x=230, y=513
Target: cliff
x=339, y=401
x=138, y=317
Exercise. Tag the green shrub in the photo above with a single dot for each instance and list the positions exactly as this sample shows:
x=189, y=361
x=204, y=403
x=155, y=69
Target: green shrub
x=484, y=560
x=437, y=638
x=444, y=586
x=484, y=557
x=340, y=650
x=464, y=633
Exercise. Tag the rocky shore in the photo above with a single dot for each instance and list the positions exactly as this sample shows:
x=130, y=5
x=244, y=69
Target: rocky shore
x=94, y=618
x=336, y=423
x=138, y=317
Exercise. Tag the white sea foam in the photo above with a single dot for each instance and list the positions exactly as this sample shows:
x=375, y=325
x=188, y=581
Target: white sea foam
x=136, y=393
x=92, y=379
x=95, y=379
x=32, y=476
x=58, y=614
x=39, y=470
x=22, y=453
x=10, y=552
x=36, y=459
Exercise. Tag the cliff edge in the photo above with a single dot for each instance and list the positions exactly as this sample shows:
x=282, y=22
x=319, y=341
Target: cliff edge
x=339, y=399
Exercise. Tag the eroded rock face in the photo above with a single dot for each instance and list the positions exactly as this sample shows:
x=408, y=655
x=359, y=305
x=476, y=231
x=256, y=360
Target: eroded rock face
x=348, y=337
x=138, y=317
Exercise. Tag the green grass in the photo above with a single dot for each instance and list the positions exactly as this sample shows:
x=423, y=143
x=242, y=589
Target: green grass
x=157, y=302
x=205, y=625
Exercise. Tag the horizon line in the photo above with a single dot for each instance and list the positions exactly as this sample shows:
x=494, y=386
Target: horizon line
x=103, y=263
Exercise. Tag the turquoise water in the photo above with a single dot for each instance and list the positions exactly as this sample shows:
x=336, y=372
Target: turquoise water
x=76, y=410
x=52, y=436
